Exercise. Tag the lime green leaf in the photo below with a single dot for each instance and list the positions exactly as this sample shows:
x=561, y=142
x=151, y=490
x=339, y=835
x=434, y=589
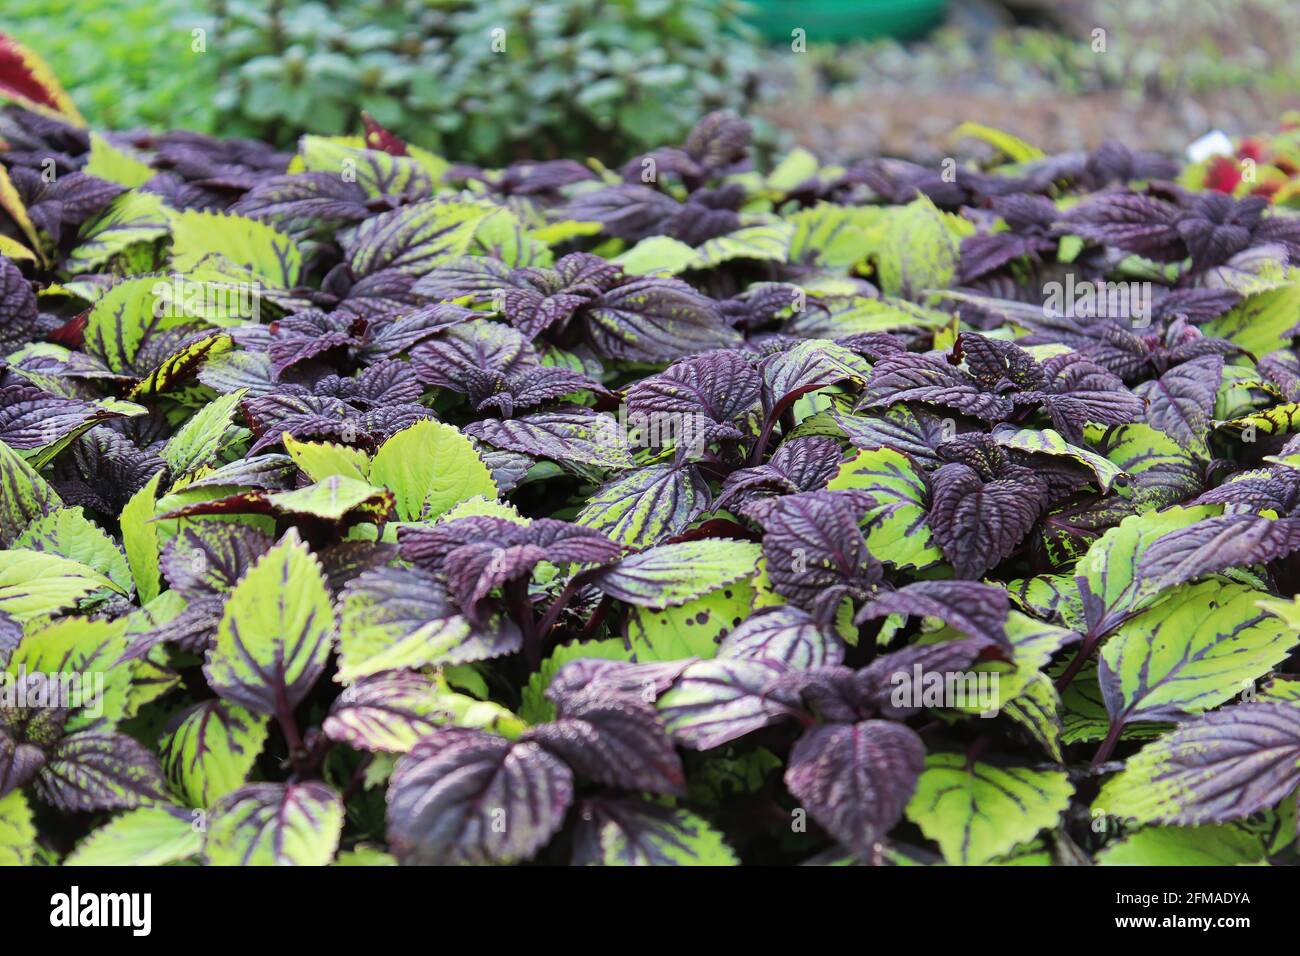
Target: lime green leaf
x=502, y=236
x=1109, y=567
x=130, y=219
x=108, y=162
x=693, y=629
x=831, y=236
x=140, y=539
x=1199, y=647
x=898, y=532
x=860, y=314
x=657, y=255
x=766, y=242
x=635, y=832
x=237, y=248
x=646, y=505
x=1280, y=689
x=26, y=495
x=129, y=314
x=397, y=618
x=978, y=813
x=1262, y=322
x=178, y=366
x=68, y=533
x=320, y=460
x=148, y=836
x=416, y=238
x=672, y=574
x=479, y=506
x=211, y=751
x=1278, y=420
x=1219, y=767
x=275, y=824
x=36, y=583
x=197, y=442
x=364, y=856
x=1049, y=442
x=1212, y=845
x=1052, y=597
x=1161, y=472
x=917, y=251
x=554, y=233
x=1038, y=709
x=377, y=172
x=335, y=497
x=274, y=637
x=88, y=649
x=1083, y=710
x=1012, y=147
x=17, y=834
x=429, y=467
x=794, y=169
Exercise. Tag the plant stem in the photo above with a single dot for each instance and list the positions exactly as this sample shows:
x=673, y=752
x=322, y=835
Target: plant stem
x=557, y=607
x=1090, y=643
x=289, y=727
x=1107, y=745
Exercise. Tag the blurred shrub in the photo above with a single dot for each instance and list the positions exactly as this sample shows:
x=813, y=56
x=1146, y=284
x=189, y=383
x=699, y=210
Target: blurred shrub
x=125, y=62
x=483, y=80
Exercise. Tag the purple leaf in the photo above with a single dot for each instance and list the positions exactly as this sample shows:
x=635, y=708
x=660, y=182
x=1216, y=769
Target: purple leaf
x=387, y=712
x=909, y=377
x=716, y=701
x=615, y=740
x=465, y=796
x=17, y=307
x=856, y=779
x=1216, y=544
x=977, y=610
x=979, y=524
x=706, y=395
x=890, y=683
x=210, y=557
x=94, y=770
x=1180, y=402
x=784, y=634
x=815, y=552
x=656, y=320
x=1139, y=224
x=304, y=201
x=1223, y=766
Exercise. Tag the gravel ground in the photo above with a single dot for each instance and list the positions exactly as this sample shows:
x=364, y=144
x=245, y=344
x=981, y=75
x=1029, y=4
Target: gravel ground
x=1172, y=71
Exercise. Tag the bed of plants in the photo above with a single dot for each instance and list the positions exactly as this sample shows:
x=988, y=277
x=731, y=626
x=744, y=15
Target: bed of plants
x=485, y=81
x=681, y=512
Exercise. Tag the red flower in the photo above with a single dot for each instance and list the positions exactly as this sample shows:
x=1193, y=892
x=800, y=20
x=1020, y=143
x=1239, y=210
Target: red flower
x=1252, y=149
x=1222, y=174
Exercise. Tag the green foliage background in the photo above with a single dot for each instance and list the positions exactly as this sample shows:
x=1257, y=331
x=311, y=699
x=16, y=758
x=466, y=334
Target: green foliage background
x=603, y=77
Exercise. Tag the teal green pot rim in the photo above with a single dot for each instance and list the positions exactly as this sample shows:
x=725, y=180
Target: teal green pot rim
x=839, y=20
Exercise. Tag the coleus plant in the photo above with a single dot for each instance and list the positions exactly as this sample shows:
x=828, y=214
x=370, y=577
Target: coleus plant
x=394, y=511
